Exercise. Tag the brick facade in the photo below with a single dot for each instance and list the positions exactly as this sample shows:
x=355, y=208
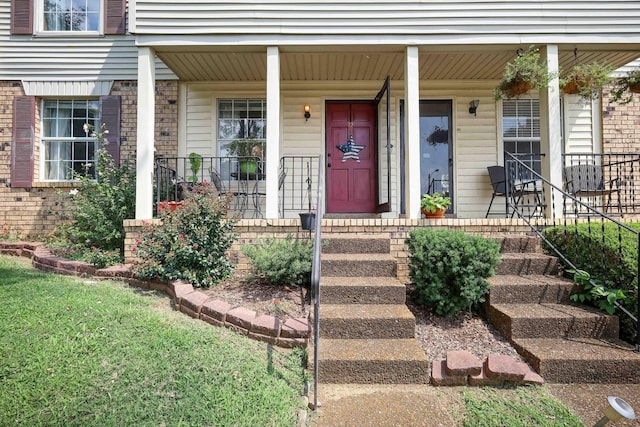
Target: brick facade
x=28, y=213
x=620, y=125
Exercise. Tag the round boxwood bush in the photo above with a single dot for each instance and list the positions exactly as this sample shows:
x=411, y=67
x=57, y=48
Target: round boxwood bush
x=449, y=268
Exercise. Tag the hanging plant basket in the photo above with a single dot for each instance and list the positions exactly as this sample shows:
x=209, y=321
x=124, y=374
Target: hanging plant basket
x=635, y=88
x=516, y=87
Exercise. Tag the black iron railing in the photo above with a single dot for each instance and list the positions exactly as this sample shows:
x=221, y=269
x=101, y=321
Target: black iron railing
x=297, y=184
x=546, y=208
x=315, y=281
x=608, y=182
x=244, y=178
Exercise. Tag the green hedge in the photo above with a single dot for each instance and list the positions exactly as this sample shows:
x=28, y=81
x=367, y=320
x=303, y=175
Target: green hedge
x=607, y=252
x=449, y=268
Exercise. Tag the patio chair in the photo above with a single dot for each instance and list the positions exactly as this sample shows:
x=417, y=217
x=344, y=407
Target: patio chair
x=588, y=181
x=498, y=184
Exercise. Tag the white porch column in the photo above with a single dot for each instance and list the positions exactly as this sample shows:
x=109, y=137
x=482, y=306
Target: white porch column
x=273, y=131
x=412, y=133
x=550, y=128
x=145, y=131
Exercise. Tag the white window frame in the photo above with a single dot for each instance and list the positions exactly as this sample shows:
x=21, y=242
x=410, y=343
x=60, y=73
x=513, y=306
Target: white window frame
x=531, y=139
x=39, y=23
x=47, y=139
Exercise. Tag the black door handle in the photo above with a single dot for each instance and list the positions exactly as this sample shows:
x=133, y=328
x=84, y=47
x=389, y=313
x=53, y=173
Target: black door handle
x=328, y=165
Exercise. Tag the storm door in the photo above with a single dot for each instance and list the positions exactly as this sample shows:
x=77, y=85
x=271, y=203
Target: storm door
x=436, y=148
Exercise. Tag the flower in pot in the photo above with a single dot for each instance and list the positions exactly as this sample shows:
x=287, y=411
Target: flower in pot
x=624, y=88
x=195, y=160
x=434, y=205
x=248, y=150
x=587, y=80
x=525, y=72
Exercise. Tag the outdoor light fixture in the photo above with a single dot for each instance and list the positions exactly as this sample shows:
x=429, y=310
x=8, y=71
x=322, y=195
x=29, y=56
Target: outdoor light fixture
x=307, y=114
x=617, y=409
x=473, y=106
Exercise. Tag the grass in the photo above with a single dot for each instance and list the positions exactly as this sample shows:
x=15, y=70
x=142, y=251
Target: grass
x=515, y=407
x=81, y=353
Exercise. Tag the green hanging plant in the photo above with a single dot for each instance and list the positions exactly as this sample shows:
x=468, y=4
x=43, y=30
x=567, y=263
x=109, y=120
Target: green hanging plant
x=525, y=72
x=625, y=87
x=587, y=80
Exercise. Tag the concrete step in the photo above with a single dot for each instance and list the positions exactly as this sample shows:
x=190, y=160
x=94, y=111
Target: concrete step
x=551, y=321
x=356, y=244
x=362, y=290
x=529, y=289
x=581, y=360
x=517, y=243
x=376, y=321
x=354, y=265
x=372, y=361
x=528, y=263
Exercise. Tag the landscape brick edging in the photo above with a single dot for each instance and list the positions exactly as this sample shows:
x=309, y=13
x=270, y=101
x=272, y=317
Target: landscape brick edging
x=463, y=368
x=294, y=332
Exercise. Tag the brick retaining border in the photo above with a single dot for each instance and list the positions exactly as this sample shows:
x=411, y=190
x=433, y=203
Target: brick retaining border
x=293, y=332
x=463, y=368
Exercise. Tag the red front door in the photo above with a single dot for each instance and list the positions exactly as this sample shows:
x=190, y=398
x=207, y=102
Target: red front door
x=351, y=157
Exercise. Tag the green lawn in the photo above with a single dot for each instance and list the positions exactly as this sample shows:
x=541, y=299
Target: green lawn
x=75, y=352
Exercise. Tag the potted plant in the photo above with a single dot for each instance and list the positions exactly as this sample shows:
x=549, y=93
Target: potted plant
x=587, y=80
x=524, y=73
x=195, y=160
x=624, y=87
x=434, y=205
x=248, y=150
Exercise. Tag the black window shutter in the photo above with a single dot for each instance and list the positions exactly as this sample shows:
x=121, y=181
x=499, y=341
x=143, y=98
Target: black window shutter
x=110, y=117
x=114, y=17
x=24, y=116
x=21, y=16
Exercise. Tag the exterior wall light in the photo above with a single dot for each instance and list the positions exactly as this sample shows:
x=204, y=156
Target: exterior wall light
x=473, y=106
x=307, y=114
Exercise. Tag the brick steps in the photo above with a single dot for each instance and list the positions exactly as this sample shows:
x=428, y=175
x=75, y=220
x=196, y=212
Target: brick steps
x=362, y=290
x=378, y=321
x=367, y=332
x=581, y=360
x=565, y=343
x=358, y=265
x=552, y=321
x=373, y=361
x=531, y=289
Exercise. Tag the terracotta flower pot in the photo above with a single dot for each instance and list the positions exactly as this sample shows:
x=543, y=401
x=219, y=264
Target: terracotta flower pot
x=438, y=213
x=171, y=206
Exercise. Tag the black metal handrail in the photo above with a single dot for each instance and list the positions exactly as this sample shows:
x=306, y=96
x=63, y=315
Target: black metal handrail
x=542, y=204
x=315, y=282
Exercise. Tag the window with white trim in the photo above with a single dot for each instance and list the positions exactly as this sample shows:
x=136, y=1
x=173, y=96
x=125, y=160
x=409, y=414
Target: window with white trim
x=73, y=16
x=521, y=130
x=242, y=131
x=68, y=149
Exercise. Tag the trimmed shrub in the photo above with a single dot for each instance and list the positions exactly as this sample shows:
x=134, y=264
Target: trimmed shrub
x=609, y=254
x=281, y=261
x=191, y=242
x=449, y=268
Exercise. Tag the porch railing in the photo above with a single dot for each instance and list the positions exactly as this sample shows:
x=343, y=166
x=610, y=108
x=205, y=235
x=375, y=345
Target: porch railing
x=315, y=281
x=245, y=179
x=542, y=205
x=609, y=182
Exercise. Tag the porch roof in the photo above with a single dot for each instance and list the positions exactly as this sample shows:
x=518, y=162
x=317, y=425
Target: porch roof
x=374, y=63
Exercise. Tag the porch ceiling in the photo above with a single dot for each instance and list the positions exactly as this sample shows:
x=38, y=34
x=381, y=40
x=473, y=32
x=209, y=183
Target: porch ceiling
x=243, y=64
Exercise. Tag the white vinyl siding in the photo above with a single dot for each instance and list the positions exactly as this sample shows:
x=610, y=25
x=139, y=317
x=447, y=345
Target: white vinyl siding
x=361, y=17
x=68, y=58
x=580, y=131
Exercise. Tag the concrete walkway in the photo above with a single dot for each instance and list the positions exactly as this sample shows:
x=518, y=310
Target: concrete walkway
x=425, y=405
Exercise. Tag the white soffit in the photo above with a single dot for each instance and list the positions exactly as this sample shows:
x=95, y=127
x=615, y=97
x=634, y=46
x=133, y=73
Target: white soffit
x=67, y=88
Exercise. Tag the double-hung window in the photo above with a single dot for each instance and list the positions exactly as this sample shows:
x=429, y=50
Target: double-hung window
x=242, y=127
x=71, y=15
x=521, y=130
x=68, y=149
